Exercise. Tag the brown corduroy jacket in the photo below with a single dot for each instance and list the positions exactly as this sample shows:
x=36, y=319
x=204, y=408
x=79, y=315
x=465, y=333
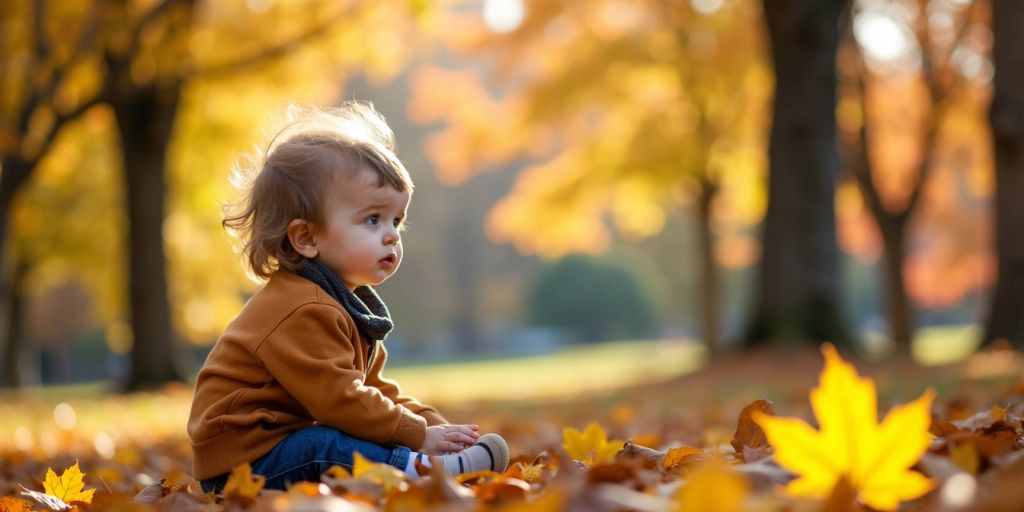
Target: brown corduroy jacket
x=292, y=358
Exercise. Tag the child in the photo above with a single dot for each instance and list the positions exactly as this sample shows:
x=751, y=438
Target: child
x=294, y=384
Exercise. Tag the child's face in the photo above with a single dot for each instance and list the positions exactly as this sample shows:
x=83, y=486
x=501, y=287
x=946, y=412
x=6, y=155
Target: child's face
x=360, y=240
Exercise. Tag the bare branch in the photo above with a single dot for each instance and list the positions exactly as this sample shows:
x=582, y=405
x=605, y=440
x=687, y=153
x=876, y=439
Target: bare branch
x=41, y=46
x=119, y=63
x=148, y=17
x=859, y=151
x=58, y=123
x=84, y=42
x=940, y=97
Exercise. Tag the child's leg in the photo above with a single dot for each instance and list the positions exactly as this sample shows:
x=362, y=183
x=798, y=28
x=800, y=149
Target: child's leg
x=307, y=453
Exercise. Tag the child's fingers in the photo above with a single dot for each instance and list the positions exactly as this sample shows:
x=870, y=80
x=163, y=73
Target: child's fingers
x=450, y=447
x=460, y=438
x=464, y=429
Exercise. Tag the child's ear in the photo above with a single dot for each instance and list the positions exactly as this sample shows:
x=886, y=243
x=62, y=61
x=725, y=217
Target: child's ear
x=302, y=238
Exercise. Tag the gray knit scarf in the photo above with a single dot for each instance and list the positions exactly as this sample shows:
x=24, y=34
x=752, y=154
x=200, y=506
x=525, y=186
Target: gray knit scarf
x=363, y=304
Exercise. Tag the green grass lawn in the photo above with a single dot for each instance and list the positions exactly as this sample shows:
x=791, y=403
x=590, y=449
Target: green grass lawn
x=566, y=375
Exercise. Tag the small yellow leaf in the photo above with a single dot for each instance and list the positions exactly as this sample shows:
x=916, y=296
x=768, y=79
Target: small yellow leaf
x=874, y=458
x=477, y=475
x=242, y=483
x=338, y=472
x=966, y=457
x=713, y=487
x=591, y=446
x=386, y=475
x=527, y=472
x=69, y=486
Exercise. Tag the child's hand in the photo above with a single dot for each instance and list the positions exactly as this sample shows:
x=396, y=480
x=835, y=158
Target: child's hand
x=449, y=438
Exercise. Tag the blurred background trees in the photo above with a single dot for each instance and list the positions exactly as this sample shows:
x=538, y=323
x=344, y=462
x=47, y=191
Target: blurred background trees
x=783, y=172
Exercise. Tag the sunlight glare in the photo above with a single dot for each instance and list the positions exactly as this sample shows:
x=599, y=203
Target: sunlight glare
x=258, y=6
x=64, y=415
x=503, y=15
x=959, y=490
x=881, y=36
x=707, y=6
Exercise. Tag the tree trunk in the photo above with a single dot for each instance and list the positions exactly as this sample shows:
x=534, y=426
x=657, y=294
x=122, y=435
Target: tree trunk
x=708, y=270
x=1006, y=317
x=798, y=301
x=466, y=281
x=901, y=315
x=145, y=122
x=15, y=172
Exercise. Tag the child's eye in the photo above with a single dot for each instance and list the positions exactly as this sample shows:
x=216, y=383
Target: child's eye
x=373, y=220
x=398, y=222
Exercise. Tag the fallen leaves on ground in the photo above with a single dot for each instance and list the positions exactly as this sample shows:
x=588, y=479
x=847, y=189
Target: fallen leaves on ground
x=690, y=445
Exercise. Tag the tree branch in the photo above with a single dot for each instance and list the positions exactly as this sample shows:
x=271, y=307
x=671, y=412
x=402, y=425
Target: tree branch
x=58, y=123
x=940, y=97
x=267, y=54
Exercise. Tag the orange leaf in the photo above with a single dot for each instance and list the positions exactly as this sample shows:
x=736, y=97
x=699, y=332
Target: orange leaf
x=748, y=434
x=677, y=456
x=11, y=504
x=338, y=472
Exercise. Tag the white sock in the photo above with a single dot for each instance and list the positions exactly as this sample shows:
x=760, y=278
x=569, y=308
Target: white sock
x=410, y=467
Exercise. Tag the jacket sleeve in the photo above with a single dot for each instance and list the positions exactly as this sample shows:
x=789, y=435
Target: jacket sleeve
x=311, y=354
x=391, y=390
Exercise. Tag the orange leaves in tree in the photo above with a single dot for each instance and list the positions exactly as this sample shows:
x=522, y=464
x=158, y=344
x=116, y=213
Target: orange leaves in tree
x=591, y=447
x=874, y=458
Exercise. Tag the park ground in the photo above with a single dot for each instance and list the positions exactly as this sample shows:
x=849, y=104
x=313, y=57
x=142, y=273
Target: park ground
x=658, y=393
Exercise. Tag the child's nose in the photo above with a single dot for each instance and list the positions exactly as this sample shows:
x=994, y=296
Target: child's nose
x=391, y=237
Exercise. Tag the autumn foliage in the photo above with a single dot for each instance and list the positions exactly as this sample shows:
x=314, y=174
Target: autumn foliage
x=922, y=455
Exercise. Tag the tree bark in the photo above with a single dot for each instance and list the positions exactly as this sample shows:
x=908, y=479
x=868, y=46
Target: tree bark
x=901, y=314
x=1006, y=316
x=15, y=173
x=798, y=297
x=708, y=269
x=145, y=121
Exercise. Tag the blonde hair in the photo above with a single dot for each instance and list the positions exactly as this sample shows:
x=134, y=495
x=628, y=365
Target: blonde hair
x=288, y=179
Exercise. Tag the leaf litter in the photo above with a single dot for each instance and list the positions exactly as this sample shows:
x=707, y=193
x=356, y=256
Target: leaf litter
x=690, y=444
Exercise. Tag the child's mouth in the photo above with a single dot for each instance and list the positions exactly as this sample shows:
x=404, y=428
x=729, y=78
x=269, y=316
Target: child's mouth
x=389, y=260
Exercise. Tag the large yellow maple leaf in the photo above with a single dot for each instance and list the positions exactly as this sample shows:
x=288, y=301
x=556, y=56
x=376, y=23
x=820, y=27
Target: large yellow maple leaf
x=591, y=446
x=69, y=486
x=875, y=458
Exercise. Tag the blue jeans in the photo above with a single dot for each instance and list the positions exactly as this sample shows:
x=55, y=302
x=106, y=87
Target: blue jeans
x=307, y=453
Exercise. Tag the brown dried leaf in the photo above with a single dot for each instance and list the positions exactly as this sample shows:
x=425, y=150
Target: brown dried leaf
x=632, y=451
x=749, y=440
x=676, y=457
x=152, y=493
